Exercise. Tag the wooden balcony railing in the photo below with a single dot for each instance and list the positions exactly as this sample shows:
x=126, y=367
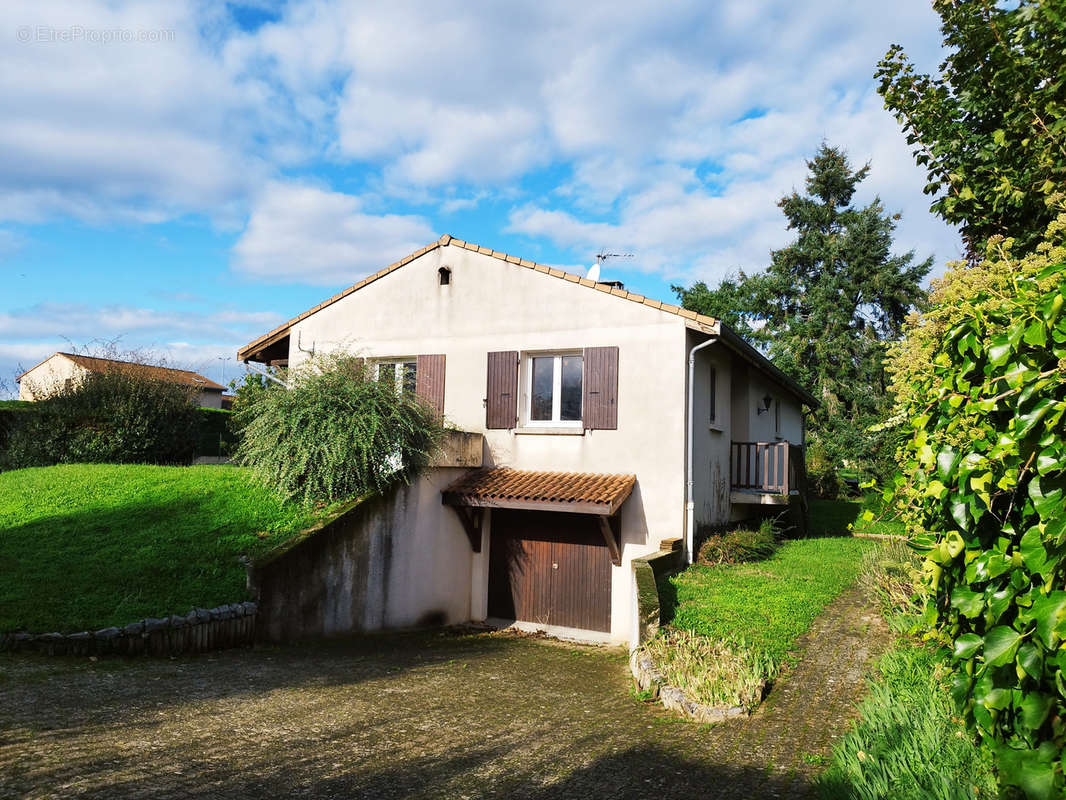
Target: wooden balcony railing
x=770, y=467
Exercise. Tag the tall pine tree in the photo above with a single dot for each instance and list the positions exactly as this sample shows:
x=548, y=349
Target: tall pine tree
x=825, y=307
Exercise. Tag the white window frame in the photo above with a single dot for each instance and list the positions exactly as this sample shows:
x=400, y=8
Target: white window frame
x=398, y=363
x=557, y=399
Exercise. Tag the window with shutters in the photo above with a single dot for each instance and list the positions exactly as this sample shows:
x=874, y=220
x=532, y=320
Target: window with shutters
x=554, y=389
x=399, y=373
x=712, y=395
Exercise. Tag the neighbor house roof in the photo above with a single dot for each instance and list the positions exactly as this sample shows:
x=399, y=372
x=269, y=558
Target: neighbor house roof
x=697, y=322
x=94, y=364
x=581, y=492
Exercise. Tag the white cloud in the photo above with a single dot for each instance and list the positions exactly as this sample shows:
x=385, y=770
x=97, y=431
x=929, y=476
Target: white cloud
x=670, y=130
x=311, y=235
x=206, y=342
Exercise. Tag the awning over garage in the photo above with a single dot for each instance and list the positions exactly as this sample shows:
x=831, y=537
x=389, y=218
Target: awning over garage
x=523, y=490
x=574, y=492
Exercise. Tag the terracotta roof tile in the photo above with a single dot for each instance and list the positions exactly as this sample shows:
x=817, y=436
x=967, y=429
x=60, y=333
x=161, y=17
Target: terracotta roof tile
x=180, y=376
x=501, y=486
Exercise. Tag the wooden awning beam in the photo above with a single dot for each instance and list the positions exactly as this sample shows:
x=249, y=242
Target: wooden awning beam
x=609, y=529
x=471, y=520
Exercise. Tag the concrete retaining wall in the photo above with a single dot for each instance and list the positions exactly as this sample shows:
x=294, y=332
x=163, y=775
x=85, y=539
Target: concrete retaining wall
x=398, y=561
x=646, y=573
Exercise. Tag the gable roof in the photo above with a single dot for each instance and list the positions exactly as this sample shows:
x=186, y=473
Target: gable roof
x=94, y=364
x=698, y=321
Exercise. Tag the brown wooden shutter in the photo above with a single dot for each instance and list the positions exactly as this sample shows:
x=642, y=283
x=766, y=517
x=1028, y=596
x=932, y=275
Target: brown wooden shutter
x=600, y=408
x=429, y=381
x=501, y=406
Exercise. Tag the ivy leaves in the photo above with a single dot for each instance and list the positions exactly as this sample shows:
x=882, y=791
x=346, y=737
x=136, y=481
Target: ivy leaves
x=987, y=455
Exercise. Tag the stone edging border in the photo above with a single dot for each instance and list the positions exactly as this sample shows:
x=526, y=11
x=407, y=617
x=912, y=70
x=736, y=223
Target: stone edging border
x=650, y=679
x=200, y=630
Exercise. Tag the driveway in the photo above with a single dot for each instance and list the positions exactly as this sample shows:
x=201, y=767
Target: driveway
x=440, y=715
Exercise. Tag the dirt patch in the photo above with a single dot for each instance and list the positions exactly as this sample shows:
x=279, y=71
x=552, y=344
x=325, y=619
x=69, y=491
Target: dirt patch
x=414, y=715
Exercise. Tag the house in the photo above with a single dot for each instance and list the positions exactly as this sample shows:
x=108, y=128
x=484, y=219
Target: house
x=61, y=370
x=614, y=426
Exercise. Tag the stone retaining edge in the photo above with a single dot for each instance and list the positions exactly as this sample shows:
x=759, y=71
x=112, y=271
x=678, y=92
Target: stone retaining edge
x=201, y=630
x=649, y=679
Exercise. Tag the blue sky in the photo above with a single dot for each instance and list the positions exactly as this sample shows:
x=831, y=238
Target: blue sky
x=183, y=176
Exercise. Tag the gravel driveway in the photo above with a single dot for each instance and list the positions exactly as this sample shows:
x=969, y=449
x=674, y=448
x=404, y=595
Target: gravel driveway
x=413, y=715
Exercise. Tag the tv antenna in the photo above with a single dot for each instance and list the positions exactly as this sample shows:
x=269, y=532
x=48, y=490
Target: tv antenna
x=594, y=270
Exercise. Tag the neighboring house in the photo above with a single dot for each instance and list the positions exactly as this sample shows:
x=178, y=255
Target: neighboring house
x=62, y=370
x=581, y=391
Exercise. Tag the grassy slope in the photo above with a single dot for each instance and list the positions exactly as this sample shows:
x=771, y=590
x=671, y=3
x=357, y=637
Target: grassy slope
x=86, y=546
x=767, y=603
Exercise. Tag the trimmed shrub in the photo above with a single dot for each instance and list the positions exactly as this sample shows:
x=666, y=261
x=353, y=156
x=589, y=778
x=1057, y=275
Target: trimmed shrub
x=736, y=547
x=116, y=417
x=216, y=437
x=336, y=433
x=12, y=412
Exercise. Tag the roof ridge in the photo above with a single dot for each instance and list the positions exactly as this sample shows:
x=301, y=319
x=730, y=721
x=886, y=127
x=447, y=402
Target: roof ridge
x=447, y=239
x=80, y=358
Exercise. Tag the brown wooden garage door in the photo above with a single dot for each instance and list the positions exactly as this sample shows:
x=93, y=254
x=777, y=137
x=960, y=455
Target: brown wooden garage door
x=550, y=568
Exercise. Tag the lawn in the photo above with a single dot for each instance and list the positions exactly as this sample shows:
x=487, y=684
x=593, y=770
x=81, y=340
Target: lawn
x=832, y=517
x=767, y=604
x=87, y=546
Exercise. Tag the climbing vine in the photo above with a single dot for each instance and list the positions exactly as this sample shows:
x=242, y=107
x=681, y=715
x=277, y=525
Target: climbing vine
x=983, y=484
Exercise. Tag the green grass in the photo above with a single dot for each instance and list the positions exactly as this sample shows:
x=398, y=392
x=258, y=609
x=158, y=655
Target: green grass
x=766, y=604
x=908, y=743
x=832, y=518
x=87, y=546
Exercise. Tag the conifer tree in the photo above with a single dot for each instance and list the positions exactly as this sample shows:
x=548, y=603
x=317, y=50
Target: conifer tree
x=825, y=307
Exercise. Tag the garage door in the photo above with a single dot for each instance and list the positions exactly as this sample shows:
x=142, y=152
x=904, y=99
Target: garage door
x=550, y=568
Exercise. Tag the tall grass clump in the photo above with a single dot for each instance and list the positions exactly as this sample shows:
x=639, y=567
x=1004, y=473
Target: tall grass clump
x=713, y=672
x=910, y=742
x=336, y=433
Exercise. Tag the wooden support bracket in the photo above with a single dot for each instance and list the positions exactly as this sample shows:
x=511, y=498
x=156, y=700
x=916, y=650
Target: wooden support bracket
x=608, y=527
x=471, y=519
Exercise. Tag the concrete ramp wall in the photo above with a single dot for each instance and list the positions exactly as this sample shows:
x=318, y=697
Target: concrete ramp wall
x=396, y=561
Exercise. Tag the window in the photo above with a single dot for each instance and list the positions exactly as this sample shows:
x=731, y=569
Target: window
x=399, y=373
x=777, y=416
x=445, y=276
x=554, y=389
x=713, y=394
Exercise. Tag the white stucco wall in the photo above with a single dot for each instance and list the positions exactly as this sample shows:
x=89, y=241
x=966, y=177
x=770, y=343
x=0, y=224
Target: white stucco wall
x=210, y=399
x=710, y=439
x=49, y=376
x=491, y=305
x=763, y=427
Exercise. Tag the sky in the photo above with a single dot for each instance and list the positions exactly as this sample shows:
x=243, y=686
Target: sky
x=180, y=177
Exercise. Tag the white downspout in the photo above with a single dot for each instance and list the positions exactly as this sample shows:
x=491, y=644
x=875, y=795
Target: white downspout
x=690, y=503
